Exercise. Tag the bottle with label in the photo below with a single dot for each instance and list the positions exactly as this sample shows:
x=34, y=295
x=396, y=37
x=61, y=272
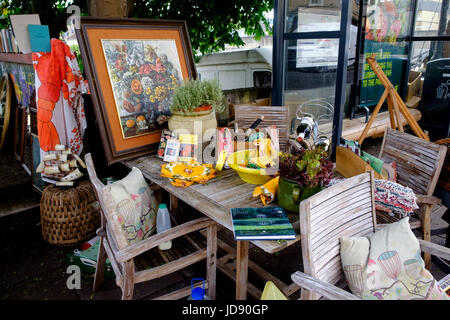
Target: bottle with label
x=322, y=142
x=304, y=129
x=163, y=224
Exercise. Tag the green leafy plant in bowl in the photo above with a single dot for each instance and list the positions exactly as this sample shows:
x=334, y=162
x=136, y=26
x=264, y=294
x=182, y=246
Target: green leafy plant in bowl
x=302, y=174
x=196, y=96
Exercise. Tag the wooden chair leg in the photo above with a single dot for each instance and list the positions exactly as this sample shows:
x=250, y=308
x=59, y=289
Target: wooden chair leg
x=211, y=260
x=426, y=232
x=100, y=267
x=128, y=280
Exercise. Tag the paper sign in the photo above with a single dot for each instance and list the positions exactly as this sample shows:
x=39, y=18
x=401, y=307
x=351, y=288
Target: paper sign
x=19, y=24
x=39, y=38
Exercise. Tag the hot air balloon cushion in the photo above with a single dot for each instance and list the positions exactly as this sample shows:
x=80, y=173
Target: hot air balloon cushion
x=387, y=265
x=135, y=206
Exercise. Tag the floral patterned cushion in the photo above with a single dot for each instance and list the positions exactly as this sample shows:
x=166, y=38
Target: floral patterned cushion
x=387, y=265
x=135, y=206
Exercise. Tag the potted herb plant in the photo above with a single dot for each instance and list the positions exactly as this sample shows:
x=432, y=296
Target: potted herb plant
x=302, y=174
x=196, y=101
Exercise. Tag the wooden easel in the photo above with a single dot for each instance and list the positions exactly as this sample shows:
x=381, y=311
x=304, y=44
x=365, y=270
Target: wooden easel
x=395, y=105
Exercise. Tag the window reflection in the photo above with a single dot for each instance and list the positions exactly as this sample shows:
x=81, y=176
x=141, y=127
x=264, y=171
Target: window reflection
x=432, y=18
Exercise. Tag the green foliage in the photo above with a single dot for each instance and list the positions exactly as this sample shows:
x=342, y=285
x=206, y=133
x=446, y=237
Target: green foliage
x=309, y=167
x=311, y=161
x=76, y=50
x=211, y=24
x=195, y=93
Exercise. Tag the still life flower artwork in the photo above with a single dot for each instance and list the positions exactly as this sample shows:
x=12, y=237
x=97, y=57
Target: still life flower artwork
x=143, y=75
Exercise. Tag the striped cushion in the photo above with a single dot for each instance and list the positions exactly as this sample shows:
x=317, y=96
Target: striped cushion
x=394, y=198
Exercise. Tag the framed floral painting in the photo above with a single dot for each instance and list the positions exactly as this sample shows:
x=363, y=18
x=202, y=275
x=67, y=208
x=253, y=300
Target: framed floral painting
x=133, y=67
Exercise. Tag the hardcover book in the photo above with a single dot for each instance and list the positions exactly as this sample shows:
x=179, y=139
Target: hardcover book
x=267, y=223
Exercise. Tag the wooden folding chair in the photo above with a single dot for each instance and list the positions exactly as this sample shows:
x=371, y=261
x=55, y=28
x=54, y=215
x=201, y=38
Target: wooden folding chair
x=345, y=209
x=122, y=257
x=245, y=115
x=419, y=164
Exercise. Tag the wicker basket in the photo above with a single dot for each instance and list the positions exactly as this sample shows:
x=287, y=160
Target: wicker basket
x=69, y=216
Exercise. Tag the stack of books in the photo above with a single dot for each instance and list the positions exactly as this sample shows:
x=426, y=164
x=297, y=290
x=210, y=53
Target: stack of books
x=8, y=42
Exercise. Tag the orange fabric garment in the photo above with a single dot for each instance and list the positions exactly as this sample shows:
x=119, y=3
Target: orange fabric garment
x=60, y=110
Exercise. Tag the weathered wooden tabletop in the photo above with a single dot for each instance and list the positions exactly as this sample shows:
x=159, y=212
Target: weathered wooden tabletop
x=215, y=198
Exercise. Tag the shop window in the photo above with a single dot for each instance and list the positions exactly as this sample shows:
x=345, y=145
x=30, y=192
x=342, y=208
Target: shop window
x=316, y=3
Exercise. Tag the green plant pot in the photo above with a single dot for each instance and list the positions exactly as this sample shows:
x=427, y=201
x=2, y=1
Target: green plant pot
x=290, y=195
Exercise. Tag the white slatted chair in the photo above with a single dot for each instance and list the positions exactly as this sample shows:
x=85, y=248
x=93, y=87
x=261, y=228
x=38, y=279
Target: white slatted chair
x=345, y=209
x=122, y=257
x=419, y=164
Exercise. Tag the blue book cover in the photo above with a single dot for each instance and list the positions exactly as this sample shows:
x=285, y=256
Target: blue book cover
x=39, y=38
x=267, y=223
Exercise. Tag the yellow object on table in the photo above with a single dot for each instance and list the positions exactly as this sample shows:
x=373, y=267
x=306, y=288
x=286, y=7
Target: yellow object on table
x=237, y=161
x=267, y=191
x=221, y=160
x=263, y=156
x=183, y=174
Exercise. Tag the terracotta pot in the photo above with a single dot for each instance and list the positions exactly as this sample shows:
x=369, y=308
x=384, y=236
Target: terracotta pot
x=201, y=110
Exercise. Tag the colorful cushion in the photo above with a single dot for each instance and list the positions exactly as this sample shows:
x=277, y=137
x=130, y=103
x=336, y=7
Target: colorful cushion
x=135, y=206
x=387, y=265
x=394, y=198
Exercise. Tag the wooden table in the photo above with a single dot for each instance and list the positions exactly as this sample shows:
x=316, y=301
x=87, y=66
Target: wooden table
x=215, y=199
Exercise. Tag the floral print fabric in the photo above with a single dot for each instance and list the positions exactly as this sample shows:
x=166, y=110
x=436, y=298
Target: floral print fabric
x=184, y=174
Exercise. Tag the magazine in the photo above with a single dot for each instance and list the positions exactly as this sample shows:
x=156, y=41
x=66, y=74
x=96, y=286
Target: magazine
x=172, y=150
x=267, y=223
x=165, y=135
x=188, y=147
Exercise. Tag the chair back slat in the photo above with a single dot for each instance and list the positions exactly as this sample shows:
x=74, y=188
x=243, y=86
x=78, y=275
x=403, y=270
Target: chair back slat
x=245, y=115
x=345, y=209
x=419, y=162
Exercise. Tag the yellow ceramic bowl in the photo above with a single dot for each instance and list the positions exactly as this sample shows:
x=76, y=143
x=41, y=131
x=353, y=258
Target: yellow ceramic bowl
x=249, y=175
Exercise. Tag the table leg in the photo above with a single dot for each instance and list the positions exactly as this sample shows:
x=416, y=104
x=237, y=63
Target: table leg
x=241, y=270
x=173, y=203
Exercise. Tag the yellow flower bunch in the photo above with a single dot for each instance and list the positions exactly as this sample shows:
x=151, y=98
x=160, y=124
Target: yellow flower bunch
x=148, y=91
x=161, y=93
x=152, y=98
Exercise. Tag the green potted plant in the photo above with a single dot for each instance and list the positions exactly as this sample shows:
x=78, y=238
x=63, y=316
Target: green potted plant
x=302, y=174
x=196, y=101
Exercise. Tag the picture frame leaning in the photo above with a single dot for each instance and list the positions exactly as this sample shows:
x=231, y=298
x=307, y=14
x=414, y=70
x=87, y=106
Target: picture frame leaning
x=132, y=67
